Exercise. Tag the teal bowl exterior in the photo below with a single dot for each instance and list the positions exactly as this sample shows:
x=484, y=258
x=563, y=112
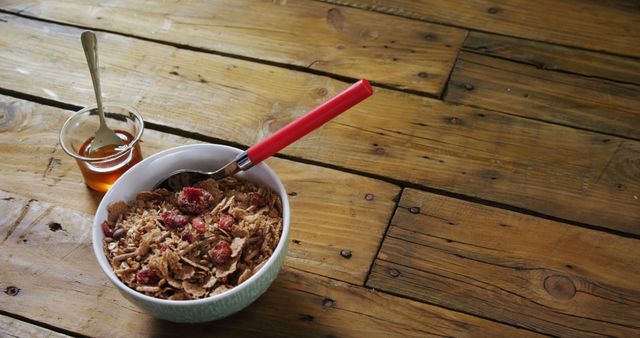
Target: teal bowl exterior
x=217, y=309
x=143, y=176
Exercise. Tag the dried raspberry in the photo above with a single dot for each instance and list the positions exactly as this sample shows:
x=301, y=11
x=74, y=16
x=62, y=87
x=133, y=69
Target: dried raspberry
x=194, y=200
x=106, y=228
x=192, y=194
x=221, y=252
x=258, y=200
x=173, y=220
x=187, y=236
x=163, y=248
x=226, y=222
x=146, y=276
x=199, y=225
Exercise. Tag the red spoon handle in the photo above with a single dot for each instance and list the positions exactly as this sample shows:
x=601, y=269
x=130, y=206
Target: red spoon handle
x=310, y=121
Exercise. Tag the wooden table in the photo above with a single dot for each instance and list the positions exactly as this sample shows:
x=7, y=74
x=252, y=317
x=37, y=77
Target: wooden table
x=490, y=187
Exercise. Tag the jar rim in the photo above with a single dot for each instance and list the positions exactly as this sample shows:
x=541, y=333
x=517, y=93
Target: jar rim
x=124, y=150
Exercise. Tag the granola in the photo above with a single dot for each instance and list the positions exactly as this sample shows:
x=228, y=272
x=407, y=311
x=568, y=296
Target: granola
x=194, y=243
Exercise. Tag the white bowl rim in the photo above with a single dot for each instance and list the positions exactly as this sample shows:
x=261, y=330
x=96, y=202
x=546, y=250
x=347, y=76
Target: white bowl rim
x=98, y=249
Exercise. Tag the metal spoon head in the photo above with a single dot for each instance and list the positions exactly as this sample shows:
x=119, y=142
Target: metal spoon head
x=180, y=179
x=104, y=136
x=186, y=177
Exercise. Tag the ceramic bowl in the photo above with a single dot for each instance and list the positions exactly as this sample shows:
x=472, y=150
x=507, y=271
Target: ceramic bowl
x=144, y=176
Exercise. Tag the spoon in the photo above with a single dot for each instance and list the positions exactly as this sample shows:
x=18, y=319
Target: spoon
x=277, y=141
x=104, y=136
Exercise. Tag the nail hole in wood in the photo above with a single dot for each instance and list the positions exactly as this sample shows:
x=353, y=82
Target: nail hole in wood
x=55, y=226
x=328, y=303
x=393, y=272
x=306, y=317
x=453, y=120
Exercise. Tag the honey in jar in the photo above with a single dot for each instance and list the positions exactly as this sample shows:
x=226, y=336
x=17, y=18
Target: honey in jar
x=110, y=162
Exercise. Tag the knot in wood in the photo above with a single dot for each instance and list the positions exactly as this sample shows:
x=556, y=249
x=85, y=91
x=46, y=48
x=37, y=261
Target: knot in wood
x=335, y=18
x=320, y=92
x=10, y=116
x=369, y=35
x=560, y=287
x=12, y=290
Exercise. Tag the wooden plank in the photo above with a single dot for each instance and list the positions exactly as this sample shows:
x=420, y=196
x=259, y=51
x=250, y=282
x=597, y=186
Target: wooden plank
x=359, y=44
x=298, y=304
x=594, y=104
x=10, y=327
x=609, y=26
x=321, y=227
x=554, y=57
x=546, y=276
x=546, y=168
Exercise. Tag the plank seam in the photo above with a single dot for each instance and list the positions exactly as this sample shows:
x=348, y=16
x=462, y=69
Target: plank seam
x=302, y=69
x=397, y=182
x=560, y=124
x=42, y=324
x=422, y=19
x=471, y=313
x=542, y=67
x=384, y=235
x=445, y=89
x=549, y=308
x=401, y=296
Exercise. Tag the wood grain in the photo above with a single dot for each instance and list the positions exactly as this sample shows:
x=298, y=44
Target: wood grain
x=554, y=57
x=329, y=210
x=348, y=42
x=592, y=24
x=546, y=276
x=546, y=168
x=10, y=327
x=594, y=104
x=298, y=304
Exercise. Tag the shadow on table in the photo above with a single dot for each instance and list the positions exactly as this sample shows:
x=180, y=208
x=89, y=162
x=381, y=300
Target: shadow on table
x=96, y=198
x=284, y=310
